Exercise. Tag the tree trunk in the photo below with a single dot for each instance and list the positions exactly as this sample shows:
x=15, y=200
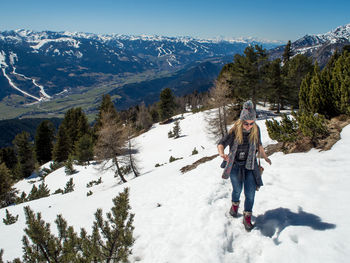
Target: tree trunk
x=115, y=160
x=132, y=161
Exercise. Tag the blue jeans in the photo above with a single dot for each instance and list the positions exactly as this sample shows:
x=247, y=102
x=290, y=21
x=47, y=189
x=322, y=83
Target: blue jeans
x=249, y=187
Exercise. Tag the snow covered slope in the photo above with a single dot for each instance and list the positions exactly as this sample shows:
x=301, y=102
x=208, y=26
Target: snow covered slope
x=301, y=211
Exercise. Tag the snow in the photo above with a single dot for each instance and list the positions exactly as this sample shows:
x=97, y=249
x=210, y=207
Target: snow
x=3, y=66
x=300, y=212
x=73, y=42
x=39, y=39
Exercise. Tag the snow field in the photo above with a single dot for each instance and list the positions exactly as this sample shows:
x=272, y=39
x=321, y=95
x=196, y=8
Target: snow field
x=300, y=212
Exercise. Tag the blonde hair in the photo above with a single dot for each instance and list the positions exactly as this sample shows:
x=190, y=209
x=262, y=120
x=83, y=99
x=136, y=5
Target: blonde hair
x=238, y=130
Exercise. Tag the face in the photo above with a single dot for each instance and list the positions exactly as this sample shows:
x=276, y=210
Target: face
x=248, y=124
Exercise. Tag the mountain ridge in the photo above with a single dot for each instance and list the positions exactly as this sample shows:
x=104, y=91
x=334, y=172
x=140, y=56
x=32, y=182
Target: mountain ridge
x=318, y=46
x=41, y=68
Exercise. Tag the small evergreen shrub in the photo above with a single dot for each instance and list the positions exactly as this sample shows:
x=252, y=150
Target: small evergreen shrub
x=9, y=219
x=194, y=151
x=304, y=124
x=56, y=165
x=58, y=191
x=176, y=129
x=170, y=134
x=37, y=193
x=89, y=193
x=68, y=167
x=69, y=186
x=44, y=172
x=93, y=182
x=111, y=239
x=22, y=198
x=312, y=125
x=176, y=132
x=284, y=131
x=173, y=159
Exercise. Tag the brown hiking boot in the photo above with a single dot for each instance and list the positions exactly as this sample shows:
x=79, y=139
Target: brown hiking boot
x=234, y=209
x=247, y=220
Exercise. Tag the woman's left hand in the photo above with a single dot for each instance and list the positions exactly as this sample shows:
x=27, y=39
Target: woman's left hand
x=268, y=160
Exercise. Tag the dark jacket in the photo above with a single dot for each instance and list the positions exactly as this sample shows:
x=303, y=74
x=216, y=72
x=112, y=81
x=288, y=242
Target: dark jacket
x=228, y=140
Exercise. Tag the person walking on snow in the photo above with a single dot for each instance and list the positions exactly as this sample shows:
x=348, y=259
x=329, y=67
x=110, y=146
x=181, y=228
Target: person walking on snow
x=242, y=168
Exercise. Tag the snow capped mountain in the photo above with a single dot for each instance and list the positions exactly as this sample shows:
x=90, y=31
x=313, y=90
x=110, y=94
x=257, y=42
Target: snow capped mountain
x=300, y=212
x=339, y=35
x=32, y=36
x=320, y=47
x=46, y=65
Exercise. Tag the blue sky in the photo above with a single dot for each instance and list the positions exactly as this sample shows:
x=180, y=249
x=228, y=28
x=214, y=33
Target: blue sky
x=269, y=19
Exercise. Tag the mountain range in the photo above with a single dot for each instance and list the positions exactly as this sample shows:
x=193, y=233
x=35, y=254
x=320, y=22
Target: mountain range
x=45, y=73
x=46, y=66
x=320, y=47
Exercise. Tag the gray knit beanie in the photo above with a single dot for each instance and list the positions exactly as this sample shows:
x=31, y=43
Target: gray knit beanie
x=248, y=112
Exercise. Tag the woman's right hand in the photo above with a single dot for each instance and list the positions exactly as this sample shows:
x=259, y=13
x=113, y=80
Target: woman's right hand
x=224, y=156
x=222, y=153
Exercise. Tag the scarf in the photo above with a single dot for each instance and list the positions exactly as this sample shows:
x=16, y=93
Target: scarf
x=249, y=165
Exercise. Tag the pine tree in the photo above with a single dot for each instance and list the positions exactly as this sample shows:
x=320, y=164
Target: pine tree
x=117, y=232
x=76, y=124
x=72, y=128
x=278, y=93
x=284, y=131
x=46, y=247
x=84, y=149
x=320, y=96
x=68, y=167
x=9, y=219
x=304, y=102
x=293, y=72
x=154, y=113
x=7, y=193
x=25, y=155
x=69, y=186
x=311, y=125
x=327, y=92
x=61, y=149
x=331, y=85
x=44, y=137
x=33, y=194
x=43, y=190
x=111, y=240
x=287, y=53
x=8, y=156
x=341, y=82
x=166, y=104
x=176, y=129
x=22, y=198
x=247, y=74
x=37, y=193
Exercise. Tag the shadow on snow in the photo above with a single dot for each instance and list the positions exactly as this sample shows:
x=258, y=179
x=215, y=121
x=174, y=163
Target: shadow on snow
x=278, y=219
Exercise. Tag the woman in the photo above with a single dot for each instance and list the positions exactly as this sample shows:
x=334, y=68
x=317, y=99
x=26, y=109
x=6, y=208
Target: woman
x=245, y=141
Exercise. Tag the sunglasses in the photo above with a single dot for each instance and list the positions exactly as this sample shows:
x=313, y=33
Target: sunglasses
x=248, y=124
